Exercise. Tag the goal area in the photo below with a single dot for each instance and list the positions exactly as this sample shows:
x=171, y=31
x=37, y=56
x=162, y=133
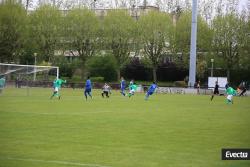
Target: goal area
x=26, y=76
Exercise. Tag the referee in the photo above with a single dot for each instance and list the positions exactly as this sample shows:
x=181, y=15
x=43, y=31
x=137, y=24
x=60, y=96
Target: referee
x=216, y=90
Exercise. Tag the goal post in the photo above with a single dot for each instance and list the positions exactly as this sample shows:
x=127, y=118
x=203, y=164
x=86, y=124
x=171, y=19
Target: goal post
x=26, y=76
x=22, y=67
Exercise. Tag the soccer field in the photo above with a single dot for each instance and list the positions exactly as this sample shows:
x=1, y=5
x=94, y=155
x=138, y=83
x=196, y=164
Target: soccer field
x=165, y=131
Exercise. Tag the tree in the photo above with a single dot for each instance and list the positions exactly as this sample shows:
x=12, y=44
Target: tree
x=206, y=9
x=119, y=30
x=182, y=38
x=183, y=34
x=28, y=3
x=168, y=5
x=12, y=30
x=201, y=69
x=102, y=66
x=244, y=49
x=45, y=27
x=227, y=39
x=82, y=29
x=67, y=68
x=155, y=28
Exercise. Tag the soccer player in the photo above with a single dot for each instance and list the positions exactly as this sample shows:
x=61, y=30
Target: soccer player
x=216, y=90
x=230, y=93
x=131, y=82
x=2, y=83
x=123, y=86
x=57, y=84
x=106, y=90
x=242, y=88
x=198, y=86
x=132, y=88
x=88, y=88
x=151, y=90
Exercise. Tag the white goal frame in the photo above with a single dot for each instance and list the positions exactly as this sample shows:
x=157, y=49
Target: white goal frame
x=34, y=66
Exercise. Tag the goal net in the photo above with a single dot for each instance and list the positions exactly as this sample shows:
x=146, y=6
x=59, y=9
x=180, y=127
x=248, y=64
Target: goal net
x=26, y=76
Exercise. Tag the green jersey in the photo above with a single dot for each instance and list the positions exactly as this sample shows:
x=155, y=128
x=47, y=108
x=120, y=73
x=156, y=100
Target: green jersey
x=2, y=82
x=58, y=83
x=231, y=91
x=133, y=87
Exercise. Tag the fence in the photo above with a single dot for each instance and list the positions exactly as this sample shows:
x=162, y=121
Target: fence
x=115, y=86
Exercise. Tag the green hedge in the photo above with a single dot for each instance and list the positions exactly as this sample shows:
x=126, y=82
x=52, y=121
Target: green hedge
x=102, y=66
x=180, y=84
x=97, y=79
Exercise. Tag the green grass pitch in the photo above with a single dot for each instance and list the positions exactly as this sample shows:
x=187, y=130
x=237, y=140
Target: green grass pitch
x=165, y=131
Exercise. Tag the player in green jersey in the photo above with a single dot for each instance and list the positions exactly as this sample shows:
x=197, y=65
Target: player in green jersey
x=230, y=93
x=57, y=84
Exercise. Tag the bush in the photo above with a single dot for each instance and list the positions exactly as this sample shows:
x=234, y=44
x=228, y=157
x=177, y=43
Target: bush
x=102, y=66
x=97, y=79
x=66, y=67
x=76, y=78
x=180, y=84
x=135, y=69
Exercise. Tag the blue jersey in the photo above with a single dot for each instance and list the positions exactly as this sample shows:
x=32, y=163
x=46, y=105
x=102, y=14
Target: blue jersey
x=88, y=84
x=123, y=84
x=152, y=88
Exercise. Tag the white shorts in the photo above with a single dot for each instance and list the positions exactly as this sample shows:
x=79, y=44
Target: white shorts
x=230, y=97
x=56, y=89
x=132, y=91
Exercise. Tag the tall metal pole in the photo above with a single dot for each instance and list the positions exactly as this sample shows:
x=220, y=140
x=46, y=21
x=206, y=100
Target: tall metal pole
x=34, y=76
x=212, y=68
x=192, y=61
x=27, y=81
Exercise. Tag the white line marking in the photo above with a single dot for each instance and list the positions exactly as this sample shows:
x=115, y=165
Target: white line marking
x=60, y=114
x=55, y=162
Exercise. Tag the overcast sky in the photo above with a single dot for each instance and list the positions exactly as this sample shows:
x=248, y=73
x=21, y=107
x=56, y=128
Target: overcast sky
x=243, y=3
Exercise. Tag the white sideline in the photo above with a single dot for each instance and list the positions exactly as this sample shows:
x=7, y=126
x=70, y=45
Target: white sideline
x=60, y=114
x=55, y=162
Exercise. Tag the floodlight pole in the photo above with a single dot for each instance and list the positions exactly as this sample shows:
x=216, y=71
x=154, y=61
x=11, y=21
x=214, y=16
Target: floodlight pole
x=212, y=68
x=192, y=61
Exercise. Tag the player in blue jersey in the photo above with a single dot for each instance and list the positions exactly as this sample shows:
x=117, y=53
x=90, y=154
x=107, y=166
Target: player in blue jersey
x=123, y=86
x=88, y=88
x=151, y=90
